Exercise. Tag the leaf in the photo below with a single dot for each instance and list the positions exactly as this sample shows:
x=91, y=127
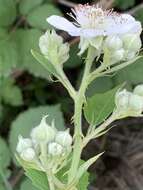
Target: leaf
x=37, y=17
x=26, y=6
x=38, y=178
x=44, y=62
x=31, y=118
x=7, y=12
x=4, y=154
x=139, y=15
x=131, y=74
x=10, y=93
x=99, y=106
x=84, y=167
x=74, y=60
x=27, y=185
x=83, y=181
x=8, y=57
x=2, y=187
x=99, y=85
x=123, y=4
x=26, y=60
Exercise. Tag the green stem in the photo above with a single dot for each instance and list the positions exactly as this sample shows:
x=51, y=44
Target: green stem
x=50, y=180
x=79, y=100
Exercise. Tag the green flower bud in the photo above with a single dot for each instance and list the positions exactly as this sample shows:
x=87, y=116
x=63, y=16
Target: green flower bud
x=28, y=154
x=55, y=149
x=64, y=138
x=43, y=132
x=53, y=48
x=139, y=90
x=117, y=56
x=113, y=43
x=122, y=99
x=136, y=103
x=132, y=42
x=23, y=143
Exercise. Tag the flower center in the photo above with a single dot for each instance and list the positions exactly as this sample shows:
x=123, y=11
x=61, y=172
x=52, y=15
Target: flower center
x=87, y=16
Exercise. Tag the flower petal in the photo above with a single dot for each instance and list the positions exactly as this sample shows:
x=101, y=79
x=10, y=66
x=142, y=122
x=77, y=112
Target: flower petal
x=63, y=24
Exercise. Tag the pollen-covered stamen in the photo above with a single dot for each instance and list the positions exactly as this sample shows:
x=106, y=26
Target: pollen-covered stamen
x=88, y=16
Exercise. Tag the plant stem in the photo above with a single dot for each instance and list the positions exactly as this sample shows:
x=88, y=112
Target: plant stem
x=79, y=100
x=50, y=180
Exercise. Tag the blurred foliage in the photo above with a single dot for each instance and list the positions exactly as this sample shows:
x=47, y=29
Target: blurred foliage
x=26, y=92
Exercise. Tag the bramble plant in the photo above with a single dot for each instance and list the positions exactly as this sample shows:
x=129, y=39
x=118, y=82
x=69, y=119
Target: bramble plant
x=115, y=39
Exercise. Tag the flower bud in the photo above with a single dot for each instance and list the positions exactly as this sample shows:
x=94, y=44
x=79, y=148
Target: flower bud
x=139, y=90
x=43, y=132
x=136, y=103
x=122, y=99
x=113, y=43
x=118, y=55
x=55, y=149
x=64, y=138
x=53, y=48
x=23, y=143
x=28, y=154
x=132, y=42
x=130, y=55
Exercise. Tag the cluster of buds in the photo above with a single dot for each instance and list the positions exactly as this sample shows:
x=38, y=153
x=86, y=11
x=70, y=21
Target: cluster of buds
x=45, y=142
x=129, y=103
x=122, y=48
x=53, y=48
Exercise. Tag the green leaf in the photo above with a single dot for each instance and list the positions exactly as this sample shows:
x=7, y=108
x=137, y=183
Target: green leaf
x=132, y=74
x=74, y=60
x=124, y=4
x=99, y=85
x=27, y=185
x=27, y=40
x=38, y=178
x=2, y=187
x=44, y=62
x=10, y=93
x=26, y=6
x=31, y=118
x=100, y=106
x=8, y=57
x=139, y=15
x=4, y=154
x=37, y=17
x=7, y=12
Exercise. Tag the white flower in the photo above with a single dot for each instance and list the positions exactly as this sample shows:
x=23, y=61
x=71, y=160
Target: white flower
x=92, y=21
x=113, y=43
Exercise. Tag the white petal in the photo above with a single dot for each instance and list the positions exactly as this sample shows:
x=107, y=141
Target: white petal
x=63, y=24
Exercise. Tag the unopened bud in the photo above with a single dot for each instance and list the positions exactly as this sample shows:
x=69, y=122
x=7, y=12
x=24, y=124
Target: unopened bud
x=122, y=99
x=139, y=90
x=113, y=43
x=130, y=55
x=23, y=143
x=53, y=48
x=55, y=149
x=132, y=42
x=118, y=55
x=136, y=103
x=28, y=154
x=64, y=138
x=43, y=132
